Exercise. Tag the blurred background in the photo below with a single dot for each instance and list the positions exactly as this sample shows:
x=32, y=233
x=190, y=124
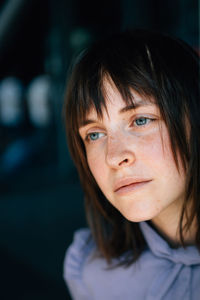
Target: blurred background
x=41, y=202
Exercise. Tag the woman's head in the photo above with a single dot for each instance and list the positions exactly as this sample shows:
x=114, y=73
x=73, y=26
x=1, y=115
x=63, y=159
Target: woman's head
x=118, y=72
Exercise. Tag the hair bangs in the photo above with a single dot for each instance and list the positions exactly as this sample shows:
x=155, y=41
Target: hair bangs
x=125, y=76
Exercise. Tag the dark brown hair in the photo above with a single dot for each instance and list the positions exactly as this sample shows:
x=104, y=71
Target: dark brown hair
x=153, y=65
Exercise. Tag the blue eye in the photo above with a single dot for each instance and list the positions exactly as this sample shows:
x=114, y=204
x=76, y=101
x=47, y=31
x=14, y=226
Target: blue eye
x=95, y=136
x=142, y=121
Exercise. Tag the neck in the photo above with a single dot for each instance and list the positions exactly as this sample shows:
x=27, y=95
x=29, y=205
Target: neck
x=167, y=226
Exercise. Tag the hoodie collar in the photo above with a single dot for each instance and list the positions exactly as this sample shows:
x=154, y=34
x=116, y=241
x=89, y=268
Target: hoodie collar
x=160, y=248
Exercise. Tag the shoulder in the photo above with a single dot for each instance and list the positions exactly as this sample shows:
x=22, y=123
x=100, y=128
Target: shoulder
x=82, y=245
x=75, y=259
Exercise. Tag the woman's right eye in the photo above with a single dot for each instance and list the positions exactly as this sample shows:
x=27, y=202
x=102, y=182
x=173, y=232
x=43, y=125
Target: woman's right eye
x=94, y=136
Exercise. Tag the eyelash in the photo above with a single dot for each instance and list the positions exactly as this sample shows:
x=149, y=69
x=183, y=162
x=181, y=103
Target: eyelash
x=143, y=118
x=88, y=136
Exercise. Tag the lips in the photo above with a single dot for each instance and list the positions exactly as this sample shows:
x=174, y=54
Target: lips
x=128, y=184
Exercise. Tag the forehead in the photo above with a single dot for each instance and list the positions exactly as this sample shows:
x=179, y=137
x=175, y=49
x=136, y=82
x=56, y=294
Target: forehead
x=113, y=96
x=114, y=102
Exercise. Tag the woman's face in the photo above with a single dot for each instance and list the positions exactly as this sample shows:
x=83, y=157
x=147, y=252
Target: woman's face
x=129, y=155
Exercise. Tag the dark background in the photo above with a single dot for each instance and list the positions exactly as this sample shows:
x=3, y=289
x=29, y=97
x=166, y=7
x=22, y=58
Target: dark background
x=41, y=202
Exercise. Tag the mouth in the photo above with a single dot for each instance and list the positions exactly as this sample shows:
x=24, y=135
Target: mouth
x=127, y=185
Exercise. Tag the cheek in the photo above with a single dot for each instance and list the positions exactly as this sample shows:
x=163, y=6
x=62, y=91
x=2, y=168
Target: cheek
x=156, y=148
x=151, y=151
x=161, y=161
x=96, y=164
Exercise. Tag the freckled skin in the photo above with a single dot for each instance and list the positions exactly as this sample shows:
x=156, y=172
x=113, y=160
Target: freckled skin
x=124, y=151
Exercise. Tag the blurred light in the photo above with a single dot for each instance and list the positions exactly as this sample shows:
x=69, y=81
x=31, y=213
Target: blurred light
x=11, y=102
x=38, y=96
x=80, y=38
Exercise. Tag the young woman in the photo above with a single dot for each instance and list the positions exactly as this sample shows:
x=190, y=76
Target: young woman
x=133, y=123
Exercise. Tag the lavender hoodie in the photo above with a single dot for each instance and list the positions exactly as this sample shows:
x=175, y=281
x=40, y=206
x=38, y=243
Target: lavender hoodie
x=161, y=272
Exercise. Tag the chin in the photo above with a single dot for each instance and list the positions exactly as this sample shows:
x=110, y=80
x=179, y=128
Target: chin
x=138, y=217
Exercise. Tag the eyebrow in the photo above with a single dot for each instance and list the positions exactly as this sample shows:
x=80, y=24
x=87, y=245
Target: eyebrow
x=87, y=122
x=136, y=105
x=139, y=103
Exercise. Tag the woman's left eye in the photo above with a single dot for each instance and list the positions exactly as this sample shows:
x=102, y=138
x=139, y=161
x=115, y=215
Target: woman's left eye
x=142, y=121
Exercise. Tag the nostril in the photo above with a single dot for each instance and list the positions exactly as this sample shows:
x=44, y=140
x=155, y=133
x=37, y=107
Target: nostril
x=124, y=161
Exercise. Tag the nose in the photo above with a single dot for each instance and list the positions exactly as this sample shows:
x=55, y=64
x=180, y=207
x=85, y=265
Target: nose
x=119, y=154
